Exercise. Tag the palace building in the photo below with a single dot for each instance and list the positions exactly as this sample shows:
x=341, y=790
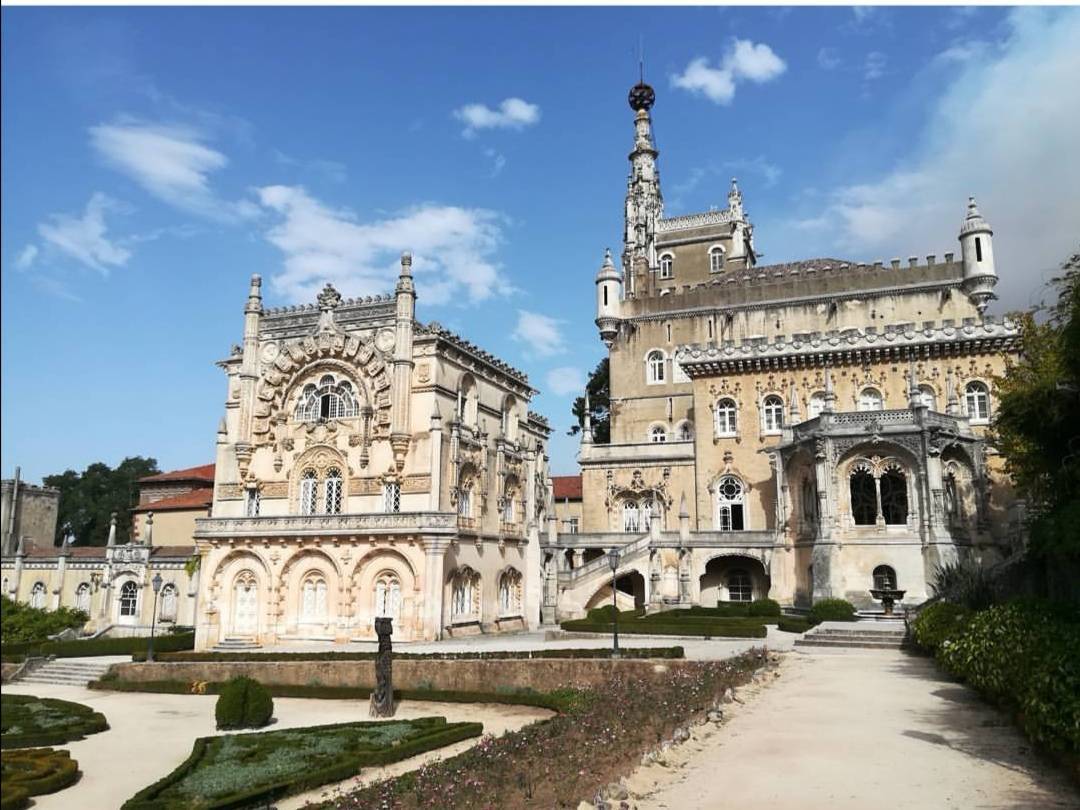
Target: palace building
x=795, y=431
x=368, y=465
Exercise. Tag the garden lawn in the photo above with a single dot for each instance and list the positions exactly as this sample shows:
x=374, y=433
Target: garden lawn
x=30, y=721
x=237, y=770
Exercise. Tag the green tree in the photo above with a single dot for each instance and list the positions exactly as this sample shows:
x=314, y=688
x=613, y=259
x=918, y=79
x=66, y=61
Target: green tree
x=1037, y=426
x=88, y=499
x=599, y=389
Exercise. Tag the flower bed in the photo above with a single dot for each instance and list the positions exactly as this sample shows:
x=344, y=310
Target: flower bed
x=236, y=770
x=599, y=736
x=33, y=772
x=495, y=655
x=30, y=721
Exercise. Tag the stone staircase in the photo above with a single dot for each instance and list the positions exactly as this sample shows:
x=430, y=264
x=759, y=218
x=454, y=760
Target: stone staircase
x=66, y=672
x=869, y=635
x=237, y=644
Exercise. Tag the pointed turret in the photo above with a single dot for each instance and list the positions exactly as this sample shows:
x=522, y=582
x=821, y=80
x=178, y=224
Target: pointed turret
x=977, y=250
x=586, y=430
x=608, y=299
x=112, y=530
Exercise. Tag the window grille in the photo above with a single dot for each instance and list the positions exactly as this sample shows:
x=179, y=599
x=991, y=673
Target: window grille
x=251, y=507
x=129, y=598
x=977, y=399
x=333, y=492
x=391, y=496
x=730, y=505
x=726, y=420
x=740, y=586
x=655, y=362
x=773, y=413
x=309, y=490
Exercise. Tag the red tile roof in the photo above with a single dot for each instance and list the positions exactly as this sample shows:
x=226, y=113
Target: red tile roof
x=201, y=473
x=566, y=486
x=195, y=499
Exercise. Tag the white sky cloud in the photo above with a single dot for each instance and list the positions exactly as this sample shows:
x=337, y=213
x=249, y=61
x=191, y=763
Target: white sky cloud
x=991, y=135
x=743, y=61
x=828, y=59
x=874, y=66
x=84, y=238
x=541, y=334
x=453, y=248
x=512, y=113
x=565, y=380
x=26, y=257
x=170, y=162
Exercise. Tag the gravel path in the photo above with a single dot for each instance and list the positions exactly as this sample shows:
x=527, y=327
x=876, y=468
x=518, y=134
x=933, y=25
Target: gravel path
x=856, y=730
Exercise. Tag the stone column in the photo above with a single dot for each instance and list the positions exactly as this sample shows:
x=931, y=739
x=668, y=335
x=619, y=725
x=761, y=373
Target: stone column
x=401, y=382
x=533, y=573
x=61, y=574
x=434, y=573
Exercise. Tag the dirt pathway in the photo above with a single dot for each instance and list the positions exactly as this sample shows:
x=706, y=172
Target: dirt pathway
x=856, y=730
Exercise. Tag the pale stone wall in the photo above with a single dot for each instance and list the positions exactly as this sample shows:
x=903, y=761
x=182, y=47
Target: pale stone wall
x=173, y=527
x=27, y=513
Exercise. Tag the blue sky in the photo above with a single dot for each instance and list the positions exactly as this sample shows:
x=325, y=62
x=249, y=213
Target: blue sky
x=154, y=158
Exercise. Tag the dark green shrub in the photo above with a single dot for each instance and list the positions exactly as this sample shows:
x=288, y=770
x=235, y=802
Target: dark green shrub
x=790, y=624
x=30, y=721
x=937, y=623
x=832, y=610
x=966, y=583
x=244, y=703
x=102, y=646
x=22, y=624
x=604, y=614
x=13, y=797
x=764, y=607
x=38, y=770
x=1026, y=656
x=722, y=609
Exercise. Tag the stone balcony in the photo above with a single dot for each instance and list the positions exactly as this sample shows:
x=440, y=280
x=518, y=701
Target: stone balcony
x=344, y=526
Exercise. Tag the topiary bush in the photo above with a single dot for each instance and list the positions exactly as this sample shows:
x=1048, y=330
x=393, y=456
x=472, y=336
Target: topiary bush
x=244, y=703
x=764, y=607
x=35, y=771
x=831, y=610
x=938, y=623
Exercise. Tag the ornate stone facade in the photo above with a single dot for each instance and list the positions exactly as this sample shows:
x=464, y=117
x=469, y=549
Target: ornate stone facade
x=370, y=466
x=796, y=430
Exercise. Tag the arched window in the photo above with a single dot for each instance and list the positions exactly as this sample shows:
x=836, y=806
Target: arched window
x=509, y=420
x=685, y=432
x=631, y=521
x=772, y=411
x=388, y=596
x=648, y=512
x=884, y=578
x=667, y=266
x=657, y=434
x=716, y=260
x=870, y=400
x=726, y=418
x=169, y=599
x=333, y=491
x=37, y=595
x=508, y=505
x=464, y=594
x=82, y=597
x=809, y=500
x=313, y=599
x=252, y=501
x=927, y=397
x=730, y=505
x=816, y=405
x=510, y=593
x=863, y=497
x=328, y=400
x=977, y=399
x=894, y=502
x=465, y=500
x=309, y=492
x=654, y=364
x=391, y=496
x=129, y=598
x=739, y=585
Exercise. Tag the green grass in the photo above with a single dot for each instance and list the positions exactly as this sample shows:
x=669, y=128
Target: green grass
x=30, y=721
x=236, y=770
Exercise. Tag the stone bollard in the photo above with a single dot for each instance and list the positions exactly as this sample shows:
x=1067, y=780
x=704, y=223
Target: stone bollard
x=382, y=699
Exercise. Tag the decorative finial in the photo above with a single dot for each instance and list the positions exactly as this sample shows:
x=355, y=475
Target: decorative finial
x=112, y=530
x=642, y=97
x=406, y=263
x=608, y=261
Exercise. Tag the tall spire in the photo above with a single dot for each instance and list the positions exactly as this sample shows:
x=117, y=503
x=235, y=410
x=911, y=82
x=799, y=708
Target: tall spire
x=644, y=202
x=586, y=431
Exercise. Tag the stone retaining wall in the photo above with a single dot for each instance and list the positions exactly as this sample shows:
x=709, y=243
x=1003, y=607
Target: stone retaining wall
x=466, y=676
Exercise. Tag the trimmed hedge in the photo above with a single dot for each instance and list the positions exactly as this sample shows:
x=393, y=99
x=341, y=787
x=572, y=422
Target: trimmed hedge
x=517, y=697
x=831, y=610
x=938, y=623
x=765, y=607
x=496, y=655
x=13, y=798
x=29, y=721
x=244, y=703
x=791, y=624
x=35, y=771
x=1026, y=656
x=705, y=629
x=102, y=646
x=428, y=734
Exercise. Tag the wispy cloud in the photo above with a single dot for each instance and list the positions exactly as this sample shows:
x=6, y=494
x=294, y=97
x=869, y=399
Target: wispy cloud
x=991, y=136
x=26, y=257
x=330, y=170
x=84, y=238
x=720, y=173
x=540, y=334
x=512, y=113
x=874, y=66
x=565, y=380
x=828, y=59
x=498, y=161
x=743, y=61
x=453, y=247
x=170, y=162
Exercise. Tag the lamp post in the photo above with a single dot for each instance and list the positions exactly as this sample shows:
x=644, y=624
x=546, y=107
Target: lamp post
x=613, y=561
x=155, y=583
